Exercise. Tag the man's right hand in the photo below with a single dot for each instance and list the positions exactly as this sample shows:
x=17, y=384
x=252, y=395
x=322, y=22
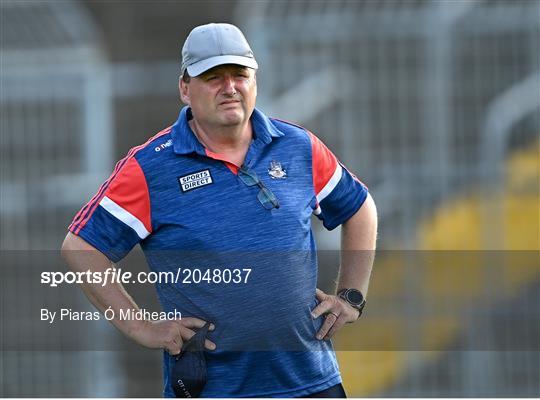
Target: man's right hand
x=169, y=334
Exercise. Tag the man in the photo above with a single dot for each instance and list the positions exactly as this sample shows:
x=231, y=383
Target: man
x=228, y=190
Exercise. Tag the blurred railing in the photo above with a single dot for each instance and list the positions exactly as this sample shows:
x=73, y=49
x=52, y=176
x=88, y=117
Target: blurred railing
x=56, y=147
x=425, y=101
x=405, y=89
x=57, y=141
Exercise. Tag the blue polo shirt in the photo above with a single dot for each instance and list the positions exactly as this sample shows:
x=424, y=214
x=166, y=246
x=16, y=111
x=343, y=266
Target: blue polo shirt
x=189, y=210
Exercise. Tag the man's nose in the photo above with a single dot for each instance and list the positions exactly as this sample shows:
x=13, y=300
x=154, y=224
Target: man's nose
x=229, y=86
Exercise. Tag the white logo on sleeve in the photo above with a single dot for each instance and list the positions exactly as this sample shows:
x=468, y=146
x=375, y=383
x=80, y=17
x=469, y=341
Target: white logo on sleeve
x=162, y=146
x=195, y=180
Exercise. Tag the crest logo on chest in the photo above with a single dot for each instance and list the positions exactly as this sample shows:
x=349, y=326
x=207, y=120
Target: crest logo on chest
x=276, y=171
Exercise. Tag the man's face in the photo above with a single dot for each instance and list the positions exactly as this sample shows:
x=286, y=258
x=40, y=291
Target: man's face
x=222, y=96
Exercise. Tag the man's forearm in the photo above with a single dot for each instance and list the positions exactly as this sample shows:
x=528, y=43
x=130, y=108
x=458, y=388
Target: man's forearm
x=358, y=242
x=80, y=256
x=358, y=237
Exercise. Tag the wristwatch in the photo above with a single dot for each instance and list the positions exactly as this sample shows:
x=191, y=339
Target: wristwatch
x=354, y=297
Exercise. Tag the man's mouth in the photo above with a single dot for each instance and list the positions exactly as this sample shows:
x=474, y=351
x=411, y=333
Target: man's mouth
x=229, y=102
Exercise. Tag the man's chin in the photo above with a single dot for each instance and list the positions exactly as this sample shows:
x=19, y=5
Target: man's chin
x=232, y=119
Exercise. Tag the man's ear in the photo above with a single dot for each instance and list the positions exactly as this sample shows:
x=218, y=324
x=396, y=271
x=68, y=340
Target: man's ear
x=184, y=92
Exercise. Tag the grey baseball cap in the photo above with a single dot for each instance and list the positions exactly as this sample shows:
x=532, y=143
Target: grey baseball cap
x=210, y=45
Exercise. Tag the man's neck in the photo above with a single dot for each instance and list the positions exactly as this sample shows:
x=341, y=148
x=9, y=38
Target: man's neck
x=232, y=142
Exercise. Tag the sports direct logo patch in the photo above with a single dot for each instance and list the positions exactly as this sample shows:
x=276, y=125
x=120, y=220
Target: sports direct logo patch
x=195, y=180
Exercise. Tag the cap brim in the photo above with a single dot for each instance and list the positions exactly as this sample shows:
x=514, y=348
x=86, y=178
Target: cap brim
x=204, y=65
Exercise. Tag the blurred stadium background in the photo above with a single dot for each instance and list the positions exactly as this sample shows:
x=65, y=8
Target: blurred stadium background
x=434, y=104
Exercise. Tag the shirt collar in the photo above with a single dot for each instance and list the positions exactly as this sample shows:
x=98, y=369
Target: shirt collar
x=185, y=141
x=263, y=128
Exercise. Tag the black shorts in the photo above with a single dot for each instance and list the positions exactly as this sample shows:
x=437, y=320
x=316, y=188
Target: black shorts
x=336, y=391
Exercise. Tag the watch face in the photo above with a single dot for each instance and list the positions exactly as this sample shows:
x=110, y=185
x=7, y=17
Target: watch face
x=355, y=297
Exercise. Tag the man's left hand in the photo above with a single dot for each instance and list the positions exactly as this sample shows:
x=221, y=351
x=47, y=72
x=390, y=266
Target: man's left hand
x=337, y=312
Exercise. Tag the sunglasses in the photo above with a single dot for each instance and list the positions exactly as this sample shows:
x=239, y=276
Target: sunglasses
x=265, y=196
